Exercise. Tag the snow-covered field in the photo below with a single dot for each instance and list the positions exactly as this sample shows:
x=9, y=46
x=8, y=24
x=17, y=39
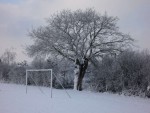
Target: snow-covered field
x=13, y=99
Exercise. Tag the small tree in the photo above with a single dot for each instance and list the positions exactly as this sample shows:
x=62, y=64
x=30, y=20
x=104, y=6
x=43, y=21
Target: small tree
x=8, y=57
x=7, y=61
x=80, y=36
x=17, y=73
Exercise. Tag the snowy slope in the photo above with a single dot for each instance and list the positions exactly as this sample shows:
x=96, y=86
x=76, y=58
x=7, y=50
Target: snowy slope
x=13, y=99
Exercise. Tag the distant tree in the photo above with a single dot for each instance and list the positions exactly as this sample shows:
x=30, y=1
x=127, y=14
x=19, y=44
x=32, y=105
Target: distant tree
x=1, y=65
x=80, y=36
x=17, y=73
x=7, y=60
x=38, y=62
x=8, y=56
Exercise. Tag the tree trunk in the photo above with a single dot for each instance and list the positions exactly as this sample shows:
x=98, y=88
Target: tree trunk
x=80, y=70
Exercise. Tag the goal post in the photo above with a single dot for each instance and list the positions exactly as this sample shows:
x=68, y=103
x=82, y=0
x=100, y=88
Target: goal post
x=40, y=70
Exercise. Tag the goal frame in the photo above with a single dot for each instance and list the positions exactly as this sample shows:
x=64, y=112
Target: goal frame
x=39, y=70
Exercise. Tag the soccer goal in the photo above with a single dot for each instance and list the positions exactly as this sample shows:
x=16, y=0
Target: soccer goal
x=51, y=75
x=39, y=70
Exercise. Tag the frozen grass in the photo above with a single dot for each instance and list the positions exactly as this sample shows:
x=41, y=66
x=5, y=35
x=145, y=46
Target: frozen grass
x=13, y=99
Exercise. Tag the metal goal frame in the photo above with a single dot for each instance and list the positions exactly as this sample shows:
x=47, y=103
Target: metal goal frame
x=39, y=70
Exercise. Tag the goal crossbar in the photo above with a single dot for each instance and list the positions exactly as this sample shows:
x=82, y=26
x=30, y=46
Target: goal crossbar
x=38, y=70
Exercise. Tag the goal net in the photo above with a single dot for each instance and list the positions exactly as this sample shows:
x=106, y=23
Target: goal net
x=42, y=77
x=39, y=77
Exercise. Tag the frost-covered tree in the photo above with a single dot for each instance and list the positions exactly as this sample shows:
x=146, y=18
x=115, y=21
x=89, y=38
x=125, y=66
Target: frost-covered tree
x=1, y=65
x=80, y=36
x=7, y=61
x=8, y=56
x=17, y=73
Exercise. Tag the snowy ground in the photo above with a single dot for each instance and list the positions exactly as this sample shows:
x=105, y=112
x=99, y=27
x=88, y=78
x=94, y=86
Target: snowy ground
x=13, y=99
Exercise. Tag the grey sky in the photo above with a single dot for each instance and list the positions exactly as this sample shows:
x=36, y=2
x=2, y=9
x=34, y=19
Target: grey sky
x=17, y=17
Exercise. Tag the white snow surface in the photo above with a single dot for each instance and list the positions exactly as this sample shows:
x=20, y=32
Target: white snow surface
x=13, y=99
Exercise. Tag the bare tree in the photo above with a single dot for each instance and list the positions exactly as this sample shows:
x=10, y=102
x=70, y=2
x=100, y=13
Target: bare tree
x=80, y=36
x=7, y=60
x=8, y=56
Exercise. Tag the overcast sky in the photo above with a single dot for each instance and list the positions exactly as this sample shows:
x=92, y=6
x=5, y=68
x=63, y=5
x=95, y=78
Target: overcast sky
x=17, y=17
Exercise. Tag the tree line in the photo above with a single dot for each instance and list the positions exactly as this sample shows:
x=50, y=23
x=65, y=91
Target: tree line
x=127, y=73
x=15, y=72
